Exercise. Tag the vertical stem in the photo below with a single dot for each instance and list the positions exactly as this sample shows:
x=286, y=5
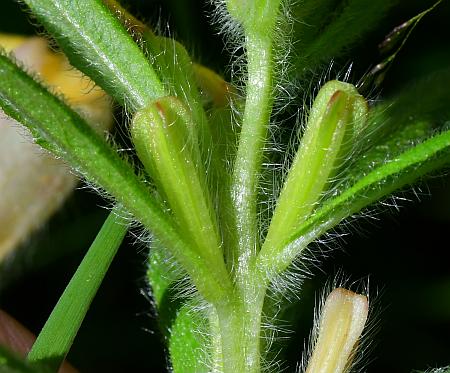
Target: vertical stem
x=217, y=358
x=253, y=305
x=258, y=107
x=240, y=329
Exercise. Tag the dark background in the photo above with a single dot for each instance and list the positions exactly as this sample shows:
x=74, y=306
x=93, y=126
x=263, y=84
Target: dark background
x=403, y=254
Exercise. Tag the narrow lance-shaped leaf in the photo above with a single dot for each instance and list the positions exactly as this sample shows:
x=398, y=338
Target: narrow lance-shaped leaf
x=59, y=129
x=190, y=83
x=56, y=338
x=404, y=169
x=98, y=45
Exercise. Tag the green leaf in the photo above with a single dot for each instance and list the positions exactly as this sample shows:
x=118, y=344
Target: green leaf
x=66, y=134
x=57, y=335
x=188, y=343
x=99, y=46
x=181, y=325
x=402, y=170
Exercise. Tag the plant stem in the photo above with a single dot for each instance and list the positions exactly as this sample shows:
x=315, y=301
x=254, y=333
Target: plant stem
x=258, y=107
x=240, y=328
x=58, y=333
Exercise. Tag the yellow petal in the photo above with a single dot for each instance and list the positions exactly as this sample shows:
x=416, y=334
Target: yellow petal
x=33, y=184
x=9, y=42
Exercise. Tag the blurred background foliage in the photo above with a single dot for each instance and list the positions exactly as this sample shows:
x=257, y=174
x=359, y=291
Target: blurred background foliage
x=402, y=253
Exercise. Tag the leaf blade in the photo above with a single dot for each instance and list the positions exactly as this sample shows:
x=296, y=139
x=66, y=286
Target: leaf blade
x=56, y=338
x=65, y=133
x=99, y=46
x=406, y=168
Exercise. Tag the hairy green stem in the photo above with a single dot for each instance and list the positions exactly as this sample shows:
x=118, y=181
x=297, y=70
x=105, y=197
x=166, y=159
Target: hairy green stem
x=240, y=329
x=247, y=168
x=58, y=333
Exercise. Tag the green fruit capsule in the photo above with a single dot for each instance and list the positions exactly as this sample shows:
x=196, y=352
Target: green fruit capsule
x=162, y=133
x=335, y=122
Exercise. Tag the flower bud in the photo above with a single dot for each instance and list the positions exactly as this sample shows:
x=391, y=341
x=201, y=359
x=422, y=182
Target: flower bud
x=162, y=133
x=342, y=321
x=334, y=123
